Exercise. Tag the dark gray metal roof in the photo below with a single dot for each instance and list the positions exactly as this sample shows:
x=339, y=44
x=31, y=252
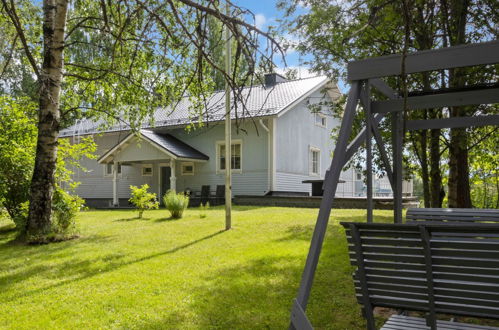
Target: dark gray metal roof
x=258, y=101
x=173, y=145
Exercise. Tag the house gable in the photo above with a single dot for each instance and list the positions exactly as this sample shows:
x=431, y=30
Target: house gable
x=297, y=135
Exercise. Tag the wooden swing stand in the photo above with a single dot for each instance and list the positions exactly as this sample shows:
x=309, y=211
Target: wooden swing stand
x=443, y=260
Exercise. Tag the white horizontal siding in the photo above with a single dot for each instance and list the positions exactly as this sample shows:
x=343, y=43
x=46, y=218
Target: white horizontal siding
x=246, y=183
x=293, y=182
x=95, y=185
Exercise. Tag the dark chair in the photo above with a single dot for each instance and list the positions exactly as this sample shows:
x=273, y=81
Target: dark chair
x=200, y=197
x=205, y=194
x=219, y=197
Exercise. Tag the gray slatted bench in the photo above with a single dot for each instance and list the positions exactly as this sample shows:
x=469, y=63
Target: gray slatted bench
x=459, y=215
x=449, y=268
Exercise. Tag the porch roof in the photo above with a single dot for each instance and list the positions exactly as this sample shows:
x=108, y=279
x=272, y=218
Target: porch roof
x=170, y=145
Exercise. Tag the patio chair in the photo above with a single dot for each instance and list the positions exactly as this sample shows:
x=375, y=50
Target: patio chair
x=219, y=197
x=200, y=197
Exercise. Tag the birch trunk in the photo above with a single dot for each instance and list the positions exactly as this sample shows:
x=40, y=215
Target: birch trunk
x=43, y=181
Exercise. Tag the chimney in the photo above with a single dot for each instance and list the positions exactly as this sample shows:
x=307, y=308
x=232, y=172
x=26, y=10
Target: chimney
x=273, y=78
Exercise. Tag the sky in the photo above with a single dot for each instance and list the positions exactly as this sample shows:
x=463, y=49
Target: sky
x=266, y=14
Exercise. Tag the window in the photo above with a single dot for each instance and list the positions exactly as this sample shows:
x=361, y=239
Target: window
x=187, y=168
x=315, y=161
x=147, y=170
x=359, y=176
x=236, y=162
x=108, y=169
x=320, y=119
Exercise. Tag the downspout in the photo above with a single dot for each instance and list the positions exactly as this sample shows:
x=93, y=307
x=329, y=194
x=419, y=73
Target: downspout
x=269, y=155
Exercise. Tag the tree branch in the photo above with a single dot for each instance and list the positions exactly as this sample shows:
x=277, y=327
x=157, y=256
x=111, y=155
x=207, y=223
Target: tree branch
x=15, y=20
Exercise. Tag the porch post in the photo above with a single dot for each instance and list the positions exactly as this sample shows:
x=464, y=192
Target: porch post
x=115, y=184
x=173, y=178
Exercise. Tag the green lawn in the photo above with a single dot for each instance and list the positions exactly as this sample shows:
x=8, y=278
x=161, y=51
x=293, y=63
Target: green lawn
x=188, y=273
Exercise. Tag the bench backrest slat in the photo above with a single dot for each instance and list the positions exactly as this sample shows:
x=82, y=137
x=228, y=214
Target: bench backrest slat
x=456, y=214
x=464, y=263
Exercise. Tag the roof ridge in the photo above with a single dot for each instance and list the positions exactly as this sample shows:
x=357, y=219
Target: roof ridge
x=259, y=101
x=278, y=83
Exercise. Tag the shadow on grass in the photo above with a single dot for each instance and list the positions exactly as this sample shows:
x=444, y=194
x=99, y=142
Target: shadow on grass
x=76, y=270
x=259, y=293
x=7, y=229
x=165, y=219
x=130, y=219
x=304, y=232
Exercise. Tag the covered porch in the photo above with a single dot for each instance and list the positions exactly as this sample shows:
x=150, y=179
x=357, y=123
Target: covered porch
x=159, y=157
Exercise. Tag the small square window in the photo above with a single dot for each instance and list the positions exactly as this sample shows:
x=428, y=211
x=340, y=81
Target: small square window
x=187, y=169
x=147, y=170
x=320, y=119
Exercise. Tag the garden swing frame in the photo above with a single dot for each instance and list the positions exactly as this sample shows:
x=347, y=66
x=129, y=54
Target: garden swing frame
x=364, y=75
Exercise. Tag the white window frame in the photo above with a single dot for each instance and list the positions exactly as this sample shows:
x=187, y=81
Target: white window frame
x=217, y=147
x=311, y=160
x=147, y=166
x=323, y=117
x=182, y=168
x=105, y=169
x=110, y=174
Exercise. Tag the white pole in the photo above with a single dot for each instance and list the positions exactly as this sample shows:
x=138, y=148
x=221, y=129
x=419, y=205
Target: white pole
x=173, y=176
x=228, y=144
x=115, y=184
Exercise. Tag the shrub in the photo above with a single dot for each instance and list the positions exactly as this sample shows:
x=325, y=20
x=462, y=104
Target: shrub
x=176, y=203
x=203, y=209
x=17, y=150
x=142, y=199
x=17, y=157
x=20, y=217
x=65, y=208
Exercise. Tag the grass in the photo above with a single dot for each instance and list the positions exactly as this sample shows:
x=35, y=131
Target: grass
x=159, y=273
x=156, y=272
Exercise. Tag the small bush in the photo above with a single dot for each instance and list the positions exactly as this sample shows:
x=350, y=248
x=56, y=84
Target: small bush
x=176, y=203
x=65, y=207
x=20, y=217
x=203, y=209
x=142, y=199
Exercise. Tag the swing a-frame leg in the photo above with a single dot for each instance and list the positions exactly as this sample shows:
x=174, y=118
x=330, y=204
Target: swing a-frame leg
x=330, y=184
